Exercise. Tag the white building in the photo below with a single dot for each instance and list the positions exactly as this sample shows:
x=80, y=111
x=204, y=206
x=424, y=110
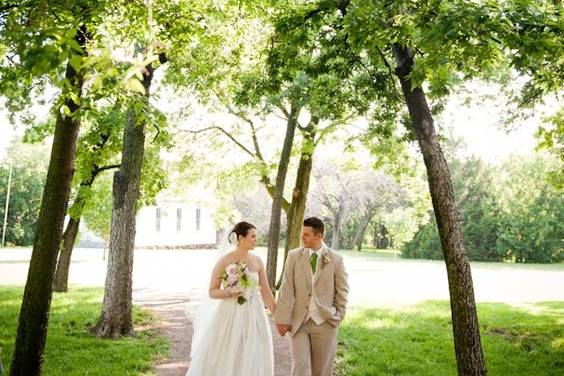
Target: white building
x=174, y=224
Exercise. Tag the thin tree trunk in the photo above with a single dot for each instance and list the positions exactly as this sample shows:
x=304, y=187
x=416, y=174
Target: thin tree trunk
x=34, y=313
x=469, y=355
x=71, y=232
x=116, y=318
x=220, y=236
x=359, y=236
x=383, y=237
x=299, y=196
x=274, y=229
x=337, y=214
x=63, y=265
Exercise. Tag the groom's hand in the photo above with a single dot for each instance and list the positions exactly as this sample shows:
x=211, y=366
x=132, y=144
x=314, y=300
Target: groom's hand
x=283, y=328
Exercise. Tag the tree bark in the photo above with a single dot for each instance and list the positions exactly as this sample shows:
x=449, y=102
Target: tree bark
x=71, y=232
x=116, y=318
x=469, y=355
x=63, y=265
x=34, y=313
x=336, y=233
x=274, y=229
x=299, y=196
x=359, y=236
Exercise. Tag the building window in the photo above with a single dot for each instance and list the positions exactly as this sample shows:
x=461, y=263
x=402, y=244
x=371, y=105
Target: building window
x=158, y=220
x=198, y=216
x=179, y=219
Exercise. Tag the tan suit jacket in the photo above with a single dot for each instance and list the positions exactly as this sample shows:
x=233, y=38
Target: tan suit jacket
x=329, y=283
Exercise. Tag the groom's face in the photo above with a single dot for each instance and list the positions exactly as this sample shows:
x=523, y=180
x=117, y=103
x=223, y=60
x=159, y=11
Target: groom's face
x=309, y=238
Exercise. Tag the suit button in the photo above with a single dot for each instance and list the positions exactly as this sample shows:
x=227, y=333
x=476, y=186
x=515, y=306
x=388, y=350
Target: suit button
x=309, y=294
x=307, y=307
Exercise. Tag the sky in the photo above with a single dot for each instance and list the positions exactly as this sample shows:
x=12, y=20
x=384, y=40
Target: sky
x=478, y=124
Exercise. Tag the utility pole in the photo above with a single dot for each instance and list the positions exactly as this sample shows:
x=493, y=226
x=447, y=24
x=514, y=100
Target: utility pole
x=7, y=204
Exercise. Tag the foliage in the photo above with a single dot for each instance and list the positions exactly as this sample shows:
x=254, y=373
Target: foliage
x=496, y=207
x=97, y=210
x=551, y=138
x=28, y=177
x=532, y=219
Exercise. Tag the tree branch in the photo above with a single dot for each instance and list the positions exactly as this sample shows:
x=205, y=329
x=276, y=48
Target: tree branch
x=284, y=110
x=245, y=149
x=109, y=167
x=390, y=70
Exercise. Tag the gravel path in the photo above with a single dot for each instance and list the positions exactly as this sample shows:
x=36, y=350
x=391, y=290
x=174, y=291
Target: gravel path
x=177, y=327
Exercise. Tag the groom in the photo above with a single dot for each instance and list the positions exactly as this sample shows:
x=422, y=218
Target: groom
x=312, y=302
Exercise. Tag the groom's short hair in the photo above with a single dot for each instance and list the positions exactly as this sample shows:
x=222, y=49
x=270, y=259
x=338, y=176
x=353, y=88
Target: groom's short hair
x=316, y=224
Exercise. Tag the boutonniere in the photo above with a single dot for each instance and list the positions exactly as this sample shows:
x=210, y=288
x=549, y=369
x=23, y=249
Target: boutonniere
x=325, y=259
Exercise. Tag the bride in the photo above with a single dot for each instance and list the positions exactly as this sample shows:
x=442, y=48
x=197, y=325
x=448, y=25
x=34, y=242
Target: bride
x=231, y=333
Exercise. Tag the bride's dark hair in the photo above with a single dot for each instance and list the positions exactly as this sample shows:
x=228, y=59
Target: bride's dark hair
x=241, y=229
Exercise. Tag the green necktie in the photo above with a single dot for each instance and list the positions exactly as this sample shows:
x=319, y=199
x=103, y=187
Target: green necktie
x=313, y=261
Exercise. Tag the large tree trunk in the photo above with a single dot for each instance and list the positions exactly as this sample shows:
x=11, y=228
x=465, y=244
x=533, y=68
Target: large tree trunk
x=34, y=313
x=299, y=196
x=336, y=224
x=359, y=236
x=63, y=265
x=274, y=229
x=116, y=318
x=469, y=356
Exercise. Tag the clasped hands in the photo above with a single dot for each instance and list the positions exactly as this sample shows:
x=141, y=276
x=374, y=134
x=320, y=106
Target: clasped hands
x=283, y=328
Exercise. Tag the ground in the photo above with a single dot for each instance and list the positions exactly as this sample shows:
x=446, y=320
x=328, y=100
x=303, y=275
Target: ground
x=170, y=282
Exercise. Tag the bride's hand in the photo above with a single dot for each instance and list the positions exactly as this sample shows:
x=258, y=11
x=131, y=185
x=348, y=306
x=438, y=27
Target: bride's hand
x=235, y=292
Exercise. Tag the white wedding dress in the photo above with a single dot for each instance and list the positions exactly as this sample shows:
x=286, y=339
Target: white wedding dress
x=232, y=339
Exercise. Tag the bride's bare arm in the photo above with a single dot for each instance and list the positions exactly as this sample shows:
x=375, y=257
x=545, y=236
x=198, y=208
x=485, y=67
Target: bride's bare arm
x=215, y=290
x=265, y=291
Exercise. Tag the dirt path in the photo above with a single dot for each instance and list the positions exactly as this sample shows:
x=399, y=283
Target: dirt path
x=175, y=325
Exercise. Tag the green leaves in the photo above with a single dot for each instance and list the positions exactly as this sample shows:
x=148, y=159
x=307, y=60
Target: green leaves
x=551, y=138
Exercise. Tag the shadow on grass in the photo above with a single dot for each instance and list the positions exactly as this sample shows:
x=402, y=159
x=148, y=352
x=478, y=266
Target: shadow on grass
x=418, y=340
x=71, y=349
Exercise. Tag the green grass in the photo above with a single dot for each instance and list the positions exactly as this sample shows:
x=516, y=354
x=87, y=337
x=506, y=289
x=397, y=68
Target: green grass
x=417, y=340
x=71, y=349
x=373, y=252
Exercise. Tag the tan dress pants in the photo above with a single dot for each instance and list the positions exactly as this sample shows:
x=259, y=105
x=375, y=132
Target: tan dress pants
x=313, y=349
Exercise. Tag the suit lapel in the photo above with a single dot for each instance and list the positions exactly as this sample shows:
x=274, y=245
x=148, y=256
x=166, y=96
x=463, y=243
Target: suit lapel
x=306, y=265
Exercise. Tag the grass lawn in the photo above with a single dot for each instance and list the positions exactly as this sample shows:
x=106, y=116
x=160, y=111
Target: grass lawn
x=373, y=252
x=417, y=340
x=71, y=349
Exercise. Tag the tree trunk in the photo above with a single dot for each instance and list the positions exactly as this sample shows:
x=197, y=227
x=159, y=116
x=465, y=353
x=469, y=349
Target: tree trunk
x=63, y=265
x=375, y=235
x=383, y=237
x=359, y=236
x=34, y=313
x=299, y=197
x=274, y=229
x=220, y=236
x=71, y=232
x=337, y=214
x=116, y=318
x=469, y=356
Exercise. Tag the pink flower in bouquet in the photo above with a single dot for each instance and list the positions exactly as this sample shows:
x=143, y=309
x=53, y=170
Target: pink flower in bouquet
x=236, y=276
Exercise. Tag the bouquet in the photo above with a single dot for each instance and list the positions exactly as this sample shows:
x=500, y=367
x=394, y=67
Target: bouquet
x=236, y=276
